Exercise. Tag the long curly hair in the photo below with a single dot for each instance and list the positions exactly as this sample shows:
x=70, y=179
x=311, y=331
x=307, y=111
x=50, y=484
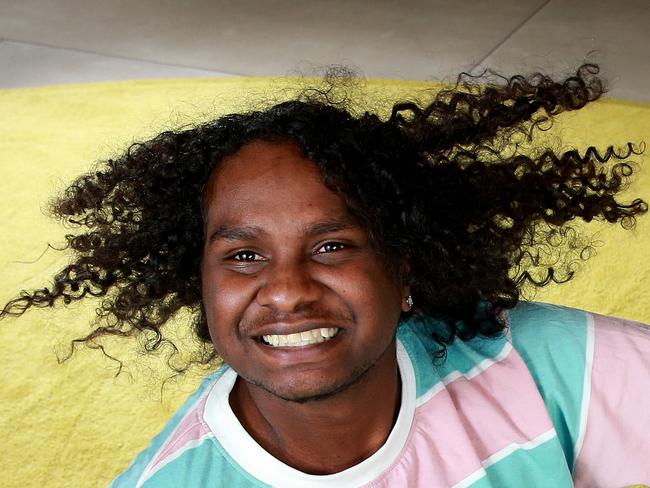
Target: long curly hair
x=453, y=187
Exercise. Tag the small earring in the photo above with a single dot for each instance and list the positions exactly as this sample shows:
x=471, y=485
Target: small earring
x=409, y=301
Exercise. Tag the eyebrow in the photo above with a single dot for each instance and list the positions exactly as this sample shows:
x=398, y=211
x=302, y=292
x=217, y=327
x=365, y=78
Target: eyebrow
x=235, y=233
x=250, y=232
x=328, y=226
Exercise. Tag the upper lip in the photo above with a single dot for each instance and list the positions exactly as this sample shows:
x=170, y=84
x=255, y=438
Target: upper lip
x=285, y=328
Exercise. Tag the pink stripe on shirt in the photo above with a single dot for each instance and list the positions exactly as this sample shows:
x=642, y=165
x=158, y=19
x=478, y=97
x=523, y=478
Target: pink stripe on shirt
x=190, y=430
x=470, y=421
x=616, y=448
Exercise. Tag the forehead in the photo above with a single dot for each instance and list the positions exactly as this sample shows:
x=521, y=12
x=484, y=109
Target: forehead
x=273, y=182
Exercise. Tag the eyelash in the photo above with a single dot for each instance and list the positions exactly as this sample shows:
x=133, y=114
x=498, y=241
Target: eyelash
x=326, y=248
x=337, y=245
x=238, y=256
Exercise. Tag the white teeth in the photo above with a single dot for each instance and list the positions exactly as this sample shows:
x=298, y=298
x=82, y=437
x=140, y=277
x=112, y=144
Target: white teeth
x=313, y=336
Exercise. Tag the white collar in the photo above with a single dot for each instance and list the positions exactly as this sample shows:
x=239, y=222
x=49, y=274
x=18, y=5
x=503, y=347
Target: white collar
x=259, y=463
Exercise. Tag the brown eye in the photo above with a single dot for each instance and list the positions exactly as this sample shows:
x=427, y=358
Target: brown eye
x=246, y=256
x=330, y=247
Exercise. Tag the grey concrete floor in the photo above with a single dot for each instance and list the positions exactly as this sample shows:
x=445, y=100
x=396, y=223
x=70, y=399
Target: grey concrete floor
x=64, y=41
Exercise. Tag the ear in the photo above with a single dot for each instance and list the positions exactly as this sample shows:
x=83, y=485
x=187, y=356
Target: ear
x=404, y=273
x=407, y=300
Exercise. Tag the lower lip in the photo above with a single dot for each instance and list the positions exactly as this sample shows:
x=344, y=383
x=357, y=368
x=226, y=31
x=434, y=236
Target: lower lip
x=301, y=353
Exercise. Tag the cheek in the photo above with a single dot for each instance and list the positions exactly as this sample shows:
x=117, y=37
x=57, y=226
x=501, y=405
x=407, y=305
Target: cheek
x=208, y=294
x=226, y=299
x=377, y=296
x=222, y=305
x=385, y=288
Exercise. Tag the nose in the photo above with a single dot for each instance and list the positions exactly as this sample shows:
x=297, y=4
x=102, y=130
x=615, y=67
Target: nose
x=288, y=286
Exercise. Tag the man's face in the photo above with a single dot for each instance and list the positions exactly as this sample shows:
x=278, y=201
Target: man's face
x=286, y=266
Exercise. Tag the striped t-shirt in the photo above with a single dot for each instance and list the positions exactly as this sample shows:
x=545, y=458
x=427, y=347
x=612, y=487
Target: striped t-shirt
x=561, y=399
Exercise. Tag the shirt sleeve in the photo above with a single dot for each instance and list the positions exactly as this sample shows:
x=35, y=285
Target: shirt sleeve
x=614, y=445
x=593, y=373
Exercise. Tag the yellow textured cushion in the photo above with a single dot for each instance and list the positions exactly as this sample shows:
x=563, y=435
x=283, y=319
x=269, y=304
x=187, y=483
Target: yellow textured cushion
x=75, y=424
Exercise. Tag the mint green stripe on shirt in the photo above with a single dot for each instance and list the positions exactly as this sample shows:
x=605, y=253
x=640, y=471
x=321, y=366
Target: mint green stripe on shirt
x=538, y=467
x=204, y=466
x=553, y=341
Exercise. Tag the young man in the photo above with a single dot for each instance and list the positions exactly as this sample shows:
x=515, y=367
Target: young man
x=356, y=276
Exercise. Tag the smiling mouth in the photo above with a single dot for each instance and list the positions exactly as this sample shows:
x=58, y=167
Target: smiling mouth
x=299, y=339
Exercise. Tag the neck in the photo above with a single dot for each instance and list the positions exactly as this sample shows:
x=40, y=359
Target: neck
x=328, y=435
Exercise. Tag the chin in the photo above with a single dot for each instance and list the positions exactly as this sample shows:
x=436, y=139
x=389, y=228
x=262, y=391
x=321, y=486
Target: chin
x=306, y=393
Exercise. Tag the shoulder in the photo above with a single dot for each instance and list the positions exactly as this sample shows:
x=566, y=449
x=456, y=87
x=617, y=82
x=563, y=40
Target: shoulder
x=174, y=452
x=545, y=334
x=560, y=344
x=480, y=399
x=436, y=366
x=593, y=373
x=532, y=321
